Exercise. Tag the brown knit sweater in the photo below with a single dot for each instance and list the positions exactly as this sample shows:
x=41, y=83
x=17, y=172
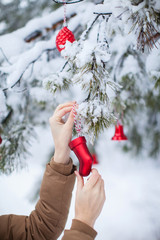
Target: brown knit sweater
x=48, y=219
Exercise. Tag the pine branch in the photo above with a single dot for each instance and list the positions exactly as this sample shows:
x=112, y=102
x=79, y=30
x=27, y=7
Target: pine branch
x=144, y=23
x=14, y=148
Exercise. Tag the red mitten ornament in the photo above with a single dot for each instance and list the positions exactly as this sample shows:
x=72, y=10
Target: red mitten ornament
x=79, y=147
x=0, y=140
x=64, y=35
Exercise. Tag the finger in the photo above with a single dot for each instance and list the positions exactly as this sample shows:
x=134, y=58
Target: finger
x=94, y=170
x=93, y=179
x=80, y=180
x=103, y=189
x=98, y=183
x=102, y=184
x=70, y=120
x=63, y=111
x=97, y=187
x=67, y=104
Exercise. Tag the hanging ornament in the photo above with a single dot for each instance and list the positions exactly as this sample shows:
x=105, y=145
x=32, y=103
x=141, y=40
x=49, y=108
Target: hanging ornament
x=95, y=160
x=79, y=147
x=64, y=34
x=119, y=134
x=0, y=140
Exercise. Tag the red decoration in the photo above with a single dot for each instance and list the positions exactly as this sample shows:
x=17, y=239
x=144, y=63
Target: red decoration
x=79, y=147
x=64, y=35
x=0, y=140
x=95, y=160
x=119, y=134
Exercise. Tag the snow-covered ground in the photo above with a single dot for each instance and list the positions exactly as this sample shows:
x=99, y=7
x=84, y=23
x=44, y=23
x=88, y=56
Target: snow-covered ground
x=132, y=207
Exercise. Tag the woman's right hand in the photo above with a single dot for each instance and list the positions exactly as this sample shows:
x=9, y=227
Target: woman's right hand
x=90, y=198
x=62, y=131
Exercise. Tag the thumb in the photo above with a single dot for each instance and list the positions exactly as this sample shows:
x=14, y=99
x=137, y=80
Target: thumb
x=80, y=181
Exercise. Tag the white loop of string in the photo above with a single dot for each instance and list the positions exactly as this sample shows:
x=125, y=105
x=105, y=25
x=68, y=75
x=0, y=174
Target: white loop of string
x=64, y=6
x=77, y=122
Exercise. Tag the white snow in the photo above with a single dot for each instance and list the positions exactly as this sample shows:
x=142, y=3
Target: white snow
x=3, y=108
x=11, y=45
x=153, y=59
x=132, y=208
x=2, y=26
x=6, y=1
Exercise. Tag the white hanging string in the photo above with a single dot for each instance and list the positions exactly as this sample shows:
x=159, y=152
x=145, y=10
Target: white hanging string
x=77, y=123
x=64, y=6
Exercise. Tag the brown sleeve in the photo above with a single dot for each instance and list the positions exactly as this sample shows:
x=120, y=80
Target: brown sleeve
x=48, y=219
x=79, y=231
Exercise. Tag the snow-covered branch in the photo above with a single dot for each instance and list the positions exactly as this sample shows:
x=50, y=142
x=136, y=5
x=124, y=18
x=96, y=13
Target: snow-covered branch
x=39, y=33
x=16, y=70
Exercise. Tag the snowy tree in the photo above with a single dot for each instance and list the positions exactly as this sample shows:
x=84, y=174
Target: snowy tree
x=112, y=70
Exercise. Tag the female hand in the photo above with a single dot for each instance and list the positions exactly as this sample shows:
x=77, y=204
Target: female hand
x=90, y=198
x=62, y=131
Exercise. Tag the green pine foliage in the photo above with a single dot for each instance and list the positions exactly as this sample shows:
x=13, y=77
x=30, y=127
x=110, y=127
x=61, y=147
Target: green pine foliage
x=14, y=150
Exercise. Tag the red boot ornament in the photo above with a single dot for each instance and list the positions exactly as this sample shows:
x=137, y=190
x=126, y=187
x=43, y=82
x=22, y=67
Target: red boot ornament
x=79, y=147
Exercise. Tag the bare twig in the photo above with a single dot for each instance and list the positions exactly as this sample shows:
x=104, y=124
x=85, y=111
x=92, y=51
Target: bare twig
x=5, y=56
x=68, y=2
x=109, y=13
x=64, y=66
x=91, y=25
x=84, y=35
